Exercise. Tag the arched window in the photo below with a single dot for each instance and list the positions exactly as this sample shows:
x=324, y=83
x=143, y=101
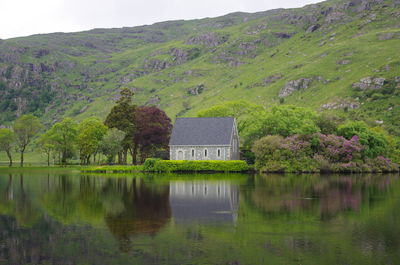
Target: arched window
x=219, y=152
x=193, y=153
x=205, y=152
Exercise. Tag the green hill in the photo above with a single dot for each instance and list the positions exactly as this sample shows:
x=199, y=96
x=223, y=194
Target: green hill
x=340, y=55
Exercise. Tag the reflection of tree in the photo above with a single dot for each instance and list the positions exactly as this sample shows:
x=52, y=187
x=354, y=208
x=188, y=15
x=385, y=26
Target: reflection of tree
x=146, y=211
x=329, y=195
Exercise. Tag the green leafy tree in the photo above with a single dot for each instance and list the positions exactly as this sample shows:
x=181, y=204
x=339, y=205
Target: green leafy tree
x=244, y=112
x=63, y=134
x=7, y=139
x=25, y=128
x=46, y=145
x=111, y=144
x=90, y=133
x=328, y=123
x=285, y=120
x=122, y=117
x=374, y=142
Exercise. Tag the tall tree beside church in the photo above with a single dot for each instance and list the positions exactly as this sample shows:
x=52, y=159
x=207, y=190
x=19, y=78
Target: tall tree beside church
x=122, y=117
x=153, y=130
x=25, y=128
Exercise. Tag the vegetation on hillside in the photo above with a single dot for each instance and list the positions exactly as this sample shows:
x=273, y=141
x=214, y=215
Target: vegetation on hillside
x=338, y=55
x=286, y=138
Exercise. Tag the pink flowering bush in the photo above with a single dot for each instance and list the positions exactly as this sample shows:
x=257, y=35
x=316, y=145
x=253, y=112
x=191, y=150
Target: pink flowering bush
x=337, y=149
x=316, y=153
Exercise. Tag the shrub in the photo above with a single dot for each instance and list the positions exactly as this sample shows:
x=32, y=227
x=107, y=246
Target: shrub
x=149, y=164
x=374, y=142
x=203, y=165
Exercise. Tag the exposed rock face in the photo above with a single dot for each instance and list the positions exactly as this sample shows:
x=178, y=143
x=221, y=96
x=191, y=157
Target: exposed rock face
x=312, y=28
x=153, y=100
x=333, y=17
x=225, y=57
x=343, y=104
x=343, y=62
x=283, y=35
x=370, y=83
x=397, y=80
x=156, y=65
x=178, y=56
x=389, y=35
x=210, y=39
x=42, y=52
x=197, y=90
x=294, y=85
x=272, y=79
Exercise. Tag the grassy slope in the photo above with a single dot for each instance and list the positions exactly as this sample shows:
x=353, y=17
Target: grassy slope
x=120, y=52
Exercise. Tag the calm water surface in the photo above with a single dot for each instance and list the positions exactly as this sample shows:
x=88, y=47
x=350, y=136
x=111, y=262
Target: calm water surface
x=52, y=218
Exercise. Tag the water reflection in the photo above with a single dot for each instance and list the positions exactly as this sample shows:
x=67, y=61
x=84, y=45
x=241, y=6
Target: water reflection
x=328, y=196
x=308, y=219
x=144, y=210
x=204, y=201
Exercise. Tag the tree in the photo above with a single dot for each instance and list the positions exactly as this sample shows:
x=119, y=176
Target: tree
x=63, y=134
x=111, y=144
x=122, y=117
x=328, y=123
x=90, y=133
x=7, y=139
x=285, y=120
x=244, y=112
x=46, y=145
x=25, y=128
x=152, y=131
x=374, y=142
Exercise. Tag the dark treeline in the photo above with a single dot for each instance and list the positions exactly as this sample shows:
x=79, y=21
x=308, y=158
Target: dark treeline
x=128, y=129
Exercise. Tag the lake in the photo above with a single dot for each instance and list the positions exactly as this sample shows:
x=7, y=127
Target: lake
x=73, y=219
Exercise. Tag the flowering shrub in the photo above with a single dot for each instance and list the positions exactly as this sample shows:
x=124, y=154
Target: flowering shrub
x=316, y=153
x=336, y=149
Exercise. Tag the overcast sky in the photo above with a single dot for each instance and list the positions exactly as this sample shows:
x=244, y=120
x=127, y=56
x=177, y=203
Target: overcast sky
x=27, y=17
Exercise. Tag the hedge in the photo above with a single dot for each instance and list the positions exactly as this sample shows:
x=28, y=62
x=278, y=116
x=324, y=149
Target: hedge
x=197, y=165
x=112, y=169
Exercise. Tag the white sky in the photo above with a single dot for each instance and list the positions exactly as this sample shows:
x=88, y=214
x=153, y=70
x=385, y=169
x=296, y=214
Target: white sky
x=27, y=17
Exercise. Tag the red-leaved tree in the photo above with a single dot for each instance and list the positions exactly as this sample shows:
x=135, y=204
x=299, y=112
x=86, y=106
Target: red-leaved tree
x=153, y=129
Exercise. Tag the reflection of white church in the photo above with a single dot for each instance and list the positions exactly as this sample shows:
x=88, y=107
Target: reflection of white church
x=204, y=201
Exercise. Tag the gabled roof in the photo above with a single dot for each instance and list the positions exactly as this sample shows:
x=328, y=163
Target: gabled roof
x=202, y=131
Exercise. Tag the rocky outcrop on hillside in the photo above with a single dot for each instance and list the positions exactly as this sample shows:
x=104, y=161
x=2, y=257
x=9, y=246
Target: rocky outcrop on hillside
x=197, y=90
x=210, y=39
x=341, y=104
x=370, y=83
x=295, y=85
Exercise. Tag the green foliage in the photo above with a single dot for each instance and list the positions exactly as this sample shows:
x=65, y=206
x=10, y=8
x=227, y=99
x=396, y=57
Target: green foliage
x=112, y=169
x=64, y=134
x=46, y=145
x=122, y=117
x=7, y=140
x=111, y=144
x=150, y=163
x=245, y=112
x=203, y=165
x=90, y=133
x=328, y=123
x=374, y=142
x=284, y=120
x=25, y=128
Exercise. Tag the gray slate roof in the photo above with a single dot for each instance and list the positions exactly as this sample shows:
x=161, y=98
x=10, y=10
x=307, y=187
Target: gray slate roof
x=202, y=131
